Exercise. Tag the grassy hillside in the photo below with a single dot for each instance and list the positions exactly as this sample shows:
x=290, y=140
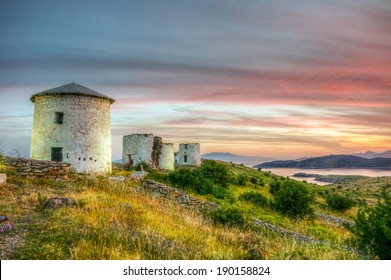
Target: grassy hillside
x=114, y=221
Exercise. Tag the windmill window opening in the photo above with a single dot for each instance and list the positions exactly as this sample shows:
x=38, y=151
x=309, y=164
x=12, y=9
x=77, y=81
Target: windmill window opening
x=56, y=154
x=59, y=118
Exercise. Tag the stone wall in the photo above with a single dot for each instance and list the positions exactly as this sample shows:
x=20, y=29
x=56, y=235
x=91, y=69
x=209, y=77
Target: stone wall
x=160, y=190
x=334, y=220
x=37, y=168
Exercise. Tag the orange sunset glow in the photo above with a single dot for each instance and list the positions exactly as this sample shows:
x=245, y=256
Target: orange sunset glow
x=265, y=78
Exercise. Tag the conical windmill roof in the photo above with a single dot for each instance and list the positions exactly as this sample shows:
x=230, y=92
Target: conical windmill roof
x=72, y=89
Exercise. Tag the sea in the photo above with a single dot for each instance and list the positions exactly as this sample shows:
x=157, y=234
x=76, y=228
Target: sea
x=337, y=171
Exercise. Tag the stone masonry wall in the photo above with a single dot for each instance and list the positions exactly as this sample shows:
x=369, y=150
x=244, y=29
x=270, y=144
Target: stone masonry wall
x=166, y=161
x=189, y=154
x=139, y=146
x=37, y=168
x=84, y=135
x=160, y=190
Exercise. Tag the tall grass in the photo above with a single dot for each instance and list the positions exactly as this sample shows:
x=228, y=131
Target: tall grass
x=117, y=222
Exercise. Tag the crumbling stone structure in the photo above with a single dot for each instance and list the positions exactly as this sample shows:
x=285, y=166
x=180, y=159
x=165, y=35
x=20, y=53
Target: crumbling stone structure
x=151, y=150
x=166, y=161
x=137, y=148
x=189, y=154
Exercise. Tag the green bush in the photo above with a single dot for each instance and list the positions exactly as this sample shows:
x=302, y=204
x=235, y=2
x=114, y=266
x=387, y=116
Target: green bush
x=242, y=179
x=157, y=176
x=261, y=182
x=199, y=181
x=294, y=199
x=187, y=178
x=254, y=198
x=373, y=228
x=339, y=202
x=228, y=217
x=254, y=180
x=274, y=186
x=217, y=172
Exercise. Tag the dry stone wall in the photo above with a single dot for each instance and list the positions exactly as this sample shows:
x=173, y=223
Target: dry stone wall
x=37, y=168
x=160, y=190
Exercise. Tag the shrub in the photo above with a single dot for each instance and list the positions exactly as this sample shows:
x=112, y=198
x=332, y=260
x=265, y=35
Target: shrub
x=242, y=179
x=339, y=202
x=294, y=199
x=217, y=172
x=274, y=186
x=228, y=217
x=194, y=179
x=157, y=176
x=254, y=198
x=373, y=228
x=254, y=180
x=181, y=178
x=42, y=200
x=187, y=178
x=221, y=193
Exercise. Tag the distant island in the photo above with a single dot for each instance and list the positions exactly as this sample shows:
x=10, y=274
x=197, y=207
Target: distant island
x=370, y=154
x=333, y=179
x=331, y=161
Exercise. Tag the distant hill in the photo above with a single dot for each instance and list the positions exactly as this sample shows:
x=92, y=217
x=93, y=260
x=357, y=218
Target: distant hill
x=370, y=154
x=228, y=157
x=331, y=161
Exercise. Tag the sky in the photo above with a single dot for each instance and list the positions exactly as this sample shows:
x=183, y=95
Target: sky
x=279, y=79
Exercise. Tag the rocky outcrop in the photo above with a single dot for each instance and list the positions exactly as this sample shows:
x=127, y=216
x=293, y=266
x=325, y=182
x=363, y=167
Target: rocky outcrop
x=57, y=202
x=160, y=190
x=334, y=220
x=37, y=168
x=285, y=232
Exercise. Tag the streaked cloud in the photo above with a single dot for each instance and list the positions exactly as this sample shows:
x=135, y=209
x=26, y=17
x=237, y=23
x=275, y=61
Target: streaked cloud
x=255, y=77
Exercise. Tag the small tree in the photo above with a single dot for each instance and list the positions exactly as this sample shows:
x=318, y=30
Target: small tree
x=373, y=228
x=254, y=198
x=294, y=199
x=274, y=186
x=242, y=179
x=339, y=202
x=217, y=172
x=229, y=217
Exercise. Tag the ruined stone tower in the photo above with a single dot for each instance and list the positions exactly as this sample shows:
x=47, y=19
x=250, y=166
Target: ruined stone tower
x=189, y=154
x=166, y=160
x=72, y=124
x=137, y=148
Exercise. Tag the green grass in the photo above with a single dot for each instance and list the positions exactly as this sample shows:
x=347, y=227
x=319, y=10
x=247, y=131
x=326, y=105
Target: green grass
x=117, y=222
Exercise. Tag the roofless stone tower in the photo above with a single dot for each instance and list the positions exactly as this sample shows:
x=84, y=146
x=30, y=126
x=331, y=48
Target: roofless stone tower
x=72, y=124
